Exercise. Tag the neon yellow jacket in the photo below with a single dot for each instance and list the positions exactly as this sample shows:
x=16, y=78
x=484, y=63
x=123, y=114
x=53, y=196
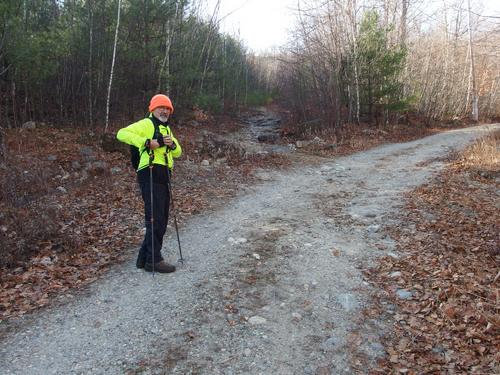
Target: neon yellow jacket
x=139, y=132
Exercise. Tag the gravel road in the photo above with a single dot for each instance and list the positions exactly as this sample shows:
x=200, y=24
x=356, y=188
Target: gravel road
x=272, y=282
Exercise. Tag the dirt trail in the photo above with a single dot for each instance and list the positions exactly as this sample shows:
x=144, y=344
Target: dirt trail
x=271, y=284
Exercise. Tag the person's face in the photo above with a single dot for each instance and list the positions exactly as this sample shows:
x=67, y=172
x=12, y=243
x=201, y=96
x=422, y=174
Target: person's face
x=161, y=113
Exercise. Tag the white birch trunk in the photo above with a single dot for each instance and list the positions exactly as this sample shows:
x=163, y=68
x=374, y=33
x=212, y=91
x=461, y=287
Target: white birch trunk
x=112, y=65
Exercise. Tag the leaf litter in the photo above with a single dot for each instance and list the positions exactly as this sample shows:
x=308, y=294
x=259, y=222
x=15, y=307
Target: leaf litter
x=450, y=257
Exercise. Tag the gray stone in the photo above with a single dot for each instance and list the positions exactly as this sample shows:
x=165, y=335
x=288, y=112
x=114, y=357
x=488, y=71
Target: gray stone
x=395, y=274
x=52, y=158
x=220, y=161
x=328, y=344
x=439, y=349
x=86, y=151
x=374, y=228
x=193, y=123
x=61, y=190
x=97, y=167
x=317, y=140
x=116, y=170
x=29, y=125
x=347, y=301
x=376, y=347
x=205, y=163
x=404, y=294
x=296, y=316
x=256, y=320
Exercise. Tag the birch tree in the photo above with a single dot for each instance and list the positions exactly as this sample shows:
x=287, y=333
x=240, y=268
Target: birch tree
x=112, y=64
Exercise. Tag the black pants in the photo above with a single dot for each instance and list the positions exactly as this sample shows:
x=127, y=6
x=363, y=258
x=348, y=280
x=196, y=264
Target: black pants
x=161, y=203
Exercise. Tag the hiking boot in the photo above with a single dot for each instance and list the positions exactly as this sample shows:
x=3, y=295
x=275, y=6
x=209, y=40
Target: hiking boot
x=141, y=261
x=161, y=267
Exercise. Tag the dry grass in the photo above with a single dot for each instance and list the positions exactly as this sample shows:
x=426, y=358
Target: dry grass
x=484, y=154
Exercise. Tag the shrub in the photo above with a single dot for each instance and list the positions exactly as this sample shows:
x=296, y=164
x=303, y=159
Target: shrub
x=211, y=103
x=258, y=98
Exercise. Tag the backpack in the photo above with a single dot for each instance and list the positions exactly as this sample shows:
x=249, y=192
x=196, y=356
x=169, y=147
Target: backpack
x=135, y=155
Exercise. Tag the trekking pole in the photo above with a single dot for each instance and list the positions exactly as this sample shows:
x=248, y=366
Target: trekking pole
x=151, y=158
x=181, y=260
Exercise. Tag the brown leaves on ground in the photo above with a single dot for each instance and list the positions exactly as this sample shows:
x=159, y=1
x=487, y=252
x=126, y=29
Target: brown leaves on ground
x=65, y=217
x=355, y=137
x=450, y=263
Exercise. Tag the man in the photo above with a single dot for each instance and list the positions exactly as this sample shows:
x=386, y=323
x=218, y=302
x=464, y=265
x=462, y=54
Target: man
x=156, y=144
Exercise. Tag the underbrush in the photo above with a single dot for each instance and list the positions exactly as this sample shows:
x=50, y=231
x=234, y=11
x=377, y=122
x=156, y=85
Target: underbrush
x=350, y=138
x=28, y=217
x=64, y=215
x=328, y=140
x=34, y=180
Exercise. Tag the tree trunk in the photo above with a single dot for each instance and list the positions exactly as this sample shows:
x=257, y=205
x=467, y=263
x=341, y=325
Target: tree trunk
x=13, y=95
x=165, y=66
x=208, y=42
x=112, y=65
x=475, y=99
x=2, y=147
x=404, y=16
x=90, y=76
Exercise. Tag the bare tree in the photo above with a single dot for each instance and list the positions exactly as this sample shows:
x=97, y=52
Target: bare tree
x=403, y=23
x=475, y=109
x=207, y=45
x=112, y=64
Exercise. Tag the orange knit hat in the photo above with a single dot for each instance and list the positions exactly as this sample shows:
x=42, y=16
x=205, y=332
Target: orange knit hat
x=160, y=100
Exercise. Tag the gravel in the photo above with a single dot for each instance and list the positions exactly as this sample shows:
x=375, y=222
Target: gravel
x=290, y=310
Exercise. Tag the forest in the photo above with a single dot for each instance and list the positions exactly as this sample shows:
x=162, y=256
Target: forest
x=71, y=62
x=85, y=63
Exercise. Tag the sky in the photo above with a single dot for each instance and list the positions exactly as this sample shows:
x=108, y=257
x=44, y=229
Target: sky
x=264, y=24
x=261, y=24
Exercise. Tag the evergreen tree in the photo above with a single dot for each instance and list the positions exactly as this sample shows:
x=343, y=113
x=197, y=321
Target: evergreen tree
x=380, y=67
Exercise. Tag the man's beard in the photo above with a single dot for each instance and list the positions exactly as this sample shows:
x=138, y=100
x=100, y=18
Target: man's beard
x=163, y=118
